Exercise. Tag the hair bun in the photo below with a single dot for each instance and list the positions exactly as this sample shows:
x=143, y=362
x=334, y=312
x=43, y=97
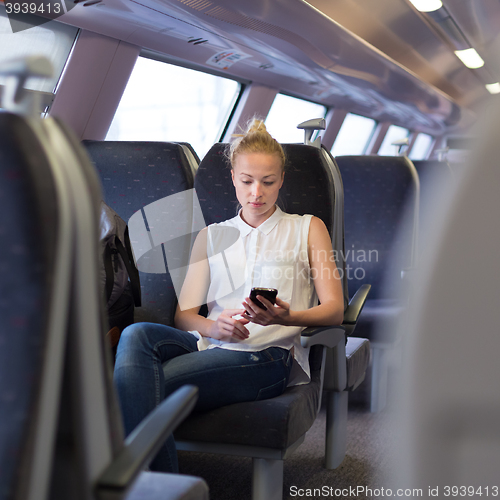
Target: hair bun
x=256, y=139
x=256, y=125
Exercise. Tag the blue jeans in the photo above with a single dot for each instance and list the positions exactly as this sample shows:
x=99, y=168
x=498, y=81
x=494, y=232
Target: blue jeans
x=152, y=361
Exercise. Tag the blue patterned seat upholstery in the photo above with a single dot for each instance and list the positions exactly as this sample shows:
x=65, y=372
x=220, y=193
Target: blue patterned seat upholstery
x=381, y=198
x=28, y=235
x=310, y=191
x=437, y=180
x=378, y=192
x=135, y=175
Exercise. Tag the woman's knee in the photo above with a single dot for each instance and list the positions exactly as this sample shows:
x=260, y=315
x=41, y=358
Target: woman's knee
x=132, y=335
x=151, y=339
x=134, y=340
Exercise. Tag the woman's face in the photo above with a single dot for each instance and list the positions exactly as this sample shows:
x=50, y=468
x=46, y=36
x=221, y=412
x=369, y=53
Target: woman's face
x=257, y=178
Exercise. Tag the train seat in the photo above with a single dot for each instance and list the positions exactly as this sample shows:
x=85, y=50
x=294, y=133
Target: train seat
x=437, y=179
x=34, y=305
x=269, y=430
x=433, y=168
x=59, y=422
x=381, y=200
x=149, y=184
x=191, y=155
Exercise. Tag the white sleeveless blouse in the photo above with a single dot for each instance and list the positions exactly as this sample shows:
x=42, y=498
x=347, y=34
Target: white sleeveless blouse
x=273, y=255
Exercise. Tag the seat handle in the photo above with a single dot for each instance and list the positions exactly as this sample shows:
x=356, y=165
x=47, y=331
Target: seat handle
x=16, y=98
x=309, y=127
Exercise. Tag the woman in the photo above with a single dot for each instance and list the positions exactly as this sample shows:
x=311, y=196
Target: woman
x=240, y=352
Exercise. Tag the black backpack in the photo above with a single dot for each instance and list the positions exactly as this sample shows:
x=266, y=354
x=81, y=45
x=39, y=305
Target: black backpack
x=119, y=275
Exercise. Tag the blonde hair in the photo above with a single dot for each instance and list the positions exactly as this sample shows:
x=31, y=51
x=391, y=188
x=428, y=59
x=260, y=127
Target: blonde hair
x=256, y=139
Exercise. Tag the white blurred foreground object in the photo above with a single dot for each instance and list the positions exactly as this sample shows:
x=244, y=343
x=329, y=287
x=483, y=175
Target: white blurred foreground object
x=450, y=399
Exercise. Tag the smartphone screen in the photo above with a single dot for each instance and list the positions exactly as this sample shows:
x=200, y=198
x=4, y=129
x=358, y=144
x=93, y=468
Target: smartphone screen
x=269, y=293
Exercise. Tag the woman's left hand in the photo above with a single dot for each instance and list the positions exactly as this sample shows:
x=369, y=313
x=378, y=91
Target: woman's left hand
x=277, y=314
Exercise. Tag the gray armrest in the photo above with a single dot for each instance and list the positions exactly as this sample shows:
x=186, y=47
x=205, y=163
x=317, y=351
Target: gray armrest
x=328, y=336
x=144, y=442
x=334, y=337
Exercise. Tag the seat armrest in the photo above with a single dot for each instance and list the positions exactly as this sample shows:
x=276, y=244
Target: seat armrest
x=334, y=337
x=355, y=306
x=328, y=336
x=146, y=439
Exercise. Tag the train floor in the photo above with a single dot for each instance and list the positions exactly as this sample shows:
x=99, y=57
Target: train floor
x=369, y=443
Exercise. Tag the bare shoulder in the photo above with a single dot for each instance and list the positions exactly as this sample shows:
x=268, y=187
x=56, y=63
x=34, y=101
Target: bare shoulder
x=201, y=237
x=200, y=245
x=319, y=242
x=317, y=230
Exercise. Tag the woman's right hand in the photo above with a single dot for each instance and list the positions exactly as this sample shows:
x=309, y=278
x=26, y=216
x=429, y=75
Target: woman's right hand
x=226, y=327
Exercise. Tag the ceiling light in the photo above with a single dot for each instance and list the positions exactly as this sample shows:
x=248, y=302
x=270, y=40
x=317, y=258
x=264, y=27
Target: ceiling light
x=470, y=58
x=427, y=5
x=493, y=88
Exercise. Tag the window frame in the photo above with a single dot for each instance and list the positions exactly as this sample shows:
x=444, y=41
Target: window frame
x=390, y=144
x=172, y=61
x=429, y=148
x=46, y=97
x=287, y=94
x=369, y=139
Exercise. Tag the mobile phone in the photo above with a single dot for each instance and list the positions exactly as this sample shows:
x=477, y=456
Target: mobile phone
x=269, y=293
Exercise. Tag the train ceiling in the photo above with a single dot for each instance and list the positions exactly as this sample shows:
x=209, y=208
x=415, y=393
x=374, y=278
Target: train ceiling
x=381, y=58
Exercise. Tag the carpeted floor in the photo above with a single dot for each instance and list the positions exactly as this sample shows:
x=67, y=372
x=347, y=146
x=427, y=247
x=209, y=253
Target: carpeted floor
x=369, y=440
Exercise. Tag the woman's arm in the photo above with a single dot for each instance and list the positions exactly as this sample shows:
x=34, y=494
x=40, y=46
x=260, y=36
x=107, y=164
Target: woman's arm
x=327, y=283
x=194, y=294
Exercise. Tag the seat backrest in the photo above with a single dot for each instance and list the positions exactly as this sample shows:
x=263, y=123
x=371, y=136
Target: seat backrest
x=56, y=421
x=89, y=431
x=140, y=182
x=36, y=235
x=380, y=193
x=137, y=173
x=49, y=271
x=436, y=180
x=308, y=187
x=433, y=168
x=191, y=155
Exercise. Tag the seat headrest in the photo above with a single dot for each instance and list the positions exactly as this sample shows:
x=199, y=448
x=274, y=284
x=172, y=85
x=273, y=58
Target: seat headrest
x=307, y=187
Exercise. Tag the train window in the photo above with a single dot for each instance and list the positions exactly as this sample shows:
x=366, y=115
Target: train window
x=394, y=133
x=53, y=40
x=354, y=135
x=164, y=102
x=421, y=147
x=286, y=113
